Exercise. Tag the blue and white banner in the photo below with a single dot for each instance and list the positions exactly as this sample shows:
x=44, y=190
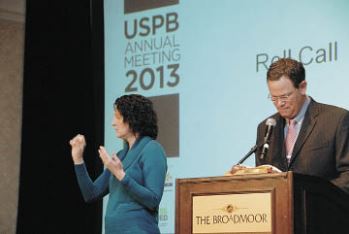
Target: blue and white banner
x=204, y=63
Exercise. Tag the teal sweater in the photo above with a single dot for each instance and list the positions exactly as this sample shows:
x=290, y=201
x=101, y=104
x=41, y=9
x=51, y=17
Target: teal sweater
x=134, y=201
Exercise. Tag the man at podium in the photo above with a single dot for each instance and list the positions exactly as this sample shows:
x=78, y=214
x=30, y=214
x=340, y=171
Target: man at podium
x=306, y=137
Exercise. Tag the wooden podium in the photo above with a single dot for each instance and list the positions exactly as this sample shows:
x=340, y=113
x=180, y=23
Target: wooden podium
x=278, y=203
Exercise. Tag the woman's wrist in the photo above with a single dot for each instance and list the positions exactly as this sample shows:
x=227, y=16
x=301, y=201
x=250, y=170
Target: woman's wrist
x=78, y=161
x=120, y=175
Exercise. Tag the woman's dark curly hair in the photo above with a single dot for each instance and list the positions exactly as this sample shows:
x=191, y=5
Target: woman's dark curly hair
x=139, y=113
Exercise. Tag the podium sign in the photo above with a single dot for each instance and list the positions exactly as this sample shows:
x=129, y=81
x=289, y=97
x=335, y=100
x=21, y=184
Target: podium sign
x=232, y=213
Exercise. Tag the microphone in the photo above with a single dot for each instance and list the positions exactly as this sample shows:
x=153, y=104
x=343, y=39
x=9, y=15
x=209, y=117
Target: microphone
x=270, y=126
x=252, y=150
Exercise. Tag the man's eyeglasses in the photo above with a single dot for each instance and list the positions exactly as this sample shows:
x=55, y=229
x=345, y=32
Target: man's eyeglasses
x=282, y=98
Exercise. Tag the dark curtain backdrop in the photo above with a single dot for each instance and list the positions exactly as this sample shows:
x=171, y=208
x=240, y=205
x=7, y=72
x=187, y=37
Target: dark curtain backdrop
x=63, y=94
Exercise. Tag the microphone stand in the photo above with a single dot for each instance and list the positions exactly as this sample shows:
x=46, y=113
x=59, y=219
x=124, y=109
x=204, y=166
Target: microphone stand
x=252, y=150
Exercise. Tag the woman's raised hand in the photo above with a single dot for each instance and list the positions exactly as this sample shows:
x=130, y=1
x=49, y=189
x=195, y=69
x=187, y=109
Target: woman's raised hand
x=113, y=163
x=78, y=144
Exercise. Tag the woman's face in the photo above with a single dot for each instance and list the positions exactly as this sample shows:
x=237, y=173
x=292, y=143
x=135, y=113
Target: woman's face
x=122, y=129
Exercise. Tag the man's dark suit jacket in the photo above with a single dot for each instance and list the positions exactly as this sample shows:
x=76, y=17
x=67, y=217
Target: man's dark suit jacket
x=321, y=149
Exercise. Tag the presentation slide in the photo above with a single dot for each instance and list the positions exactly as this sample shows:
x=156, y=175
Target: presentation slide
x=203, y=63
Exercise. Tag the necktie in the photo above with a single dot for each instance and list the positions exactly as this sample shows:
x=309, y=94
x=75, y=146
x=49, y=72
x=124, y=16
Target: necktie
x=290, y=138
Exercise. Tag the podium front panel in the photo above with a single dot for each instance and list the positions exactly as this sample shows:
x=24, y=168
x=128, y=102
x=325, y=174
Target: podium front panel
x=234, y=204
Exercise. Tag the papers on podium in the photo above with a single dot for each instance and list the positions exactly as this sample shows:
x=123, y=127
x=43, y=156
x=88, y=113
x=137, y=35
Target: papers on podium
x=247, y=170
